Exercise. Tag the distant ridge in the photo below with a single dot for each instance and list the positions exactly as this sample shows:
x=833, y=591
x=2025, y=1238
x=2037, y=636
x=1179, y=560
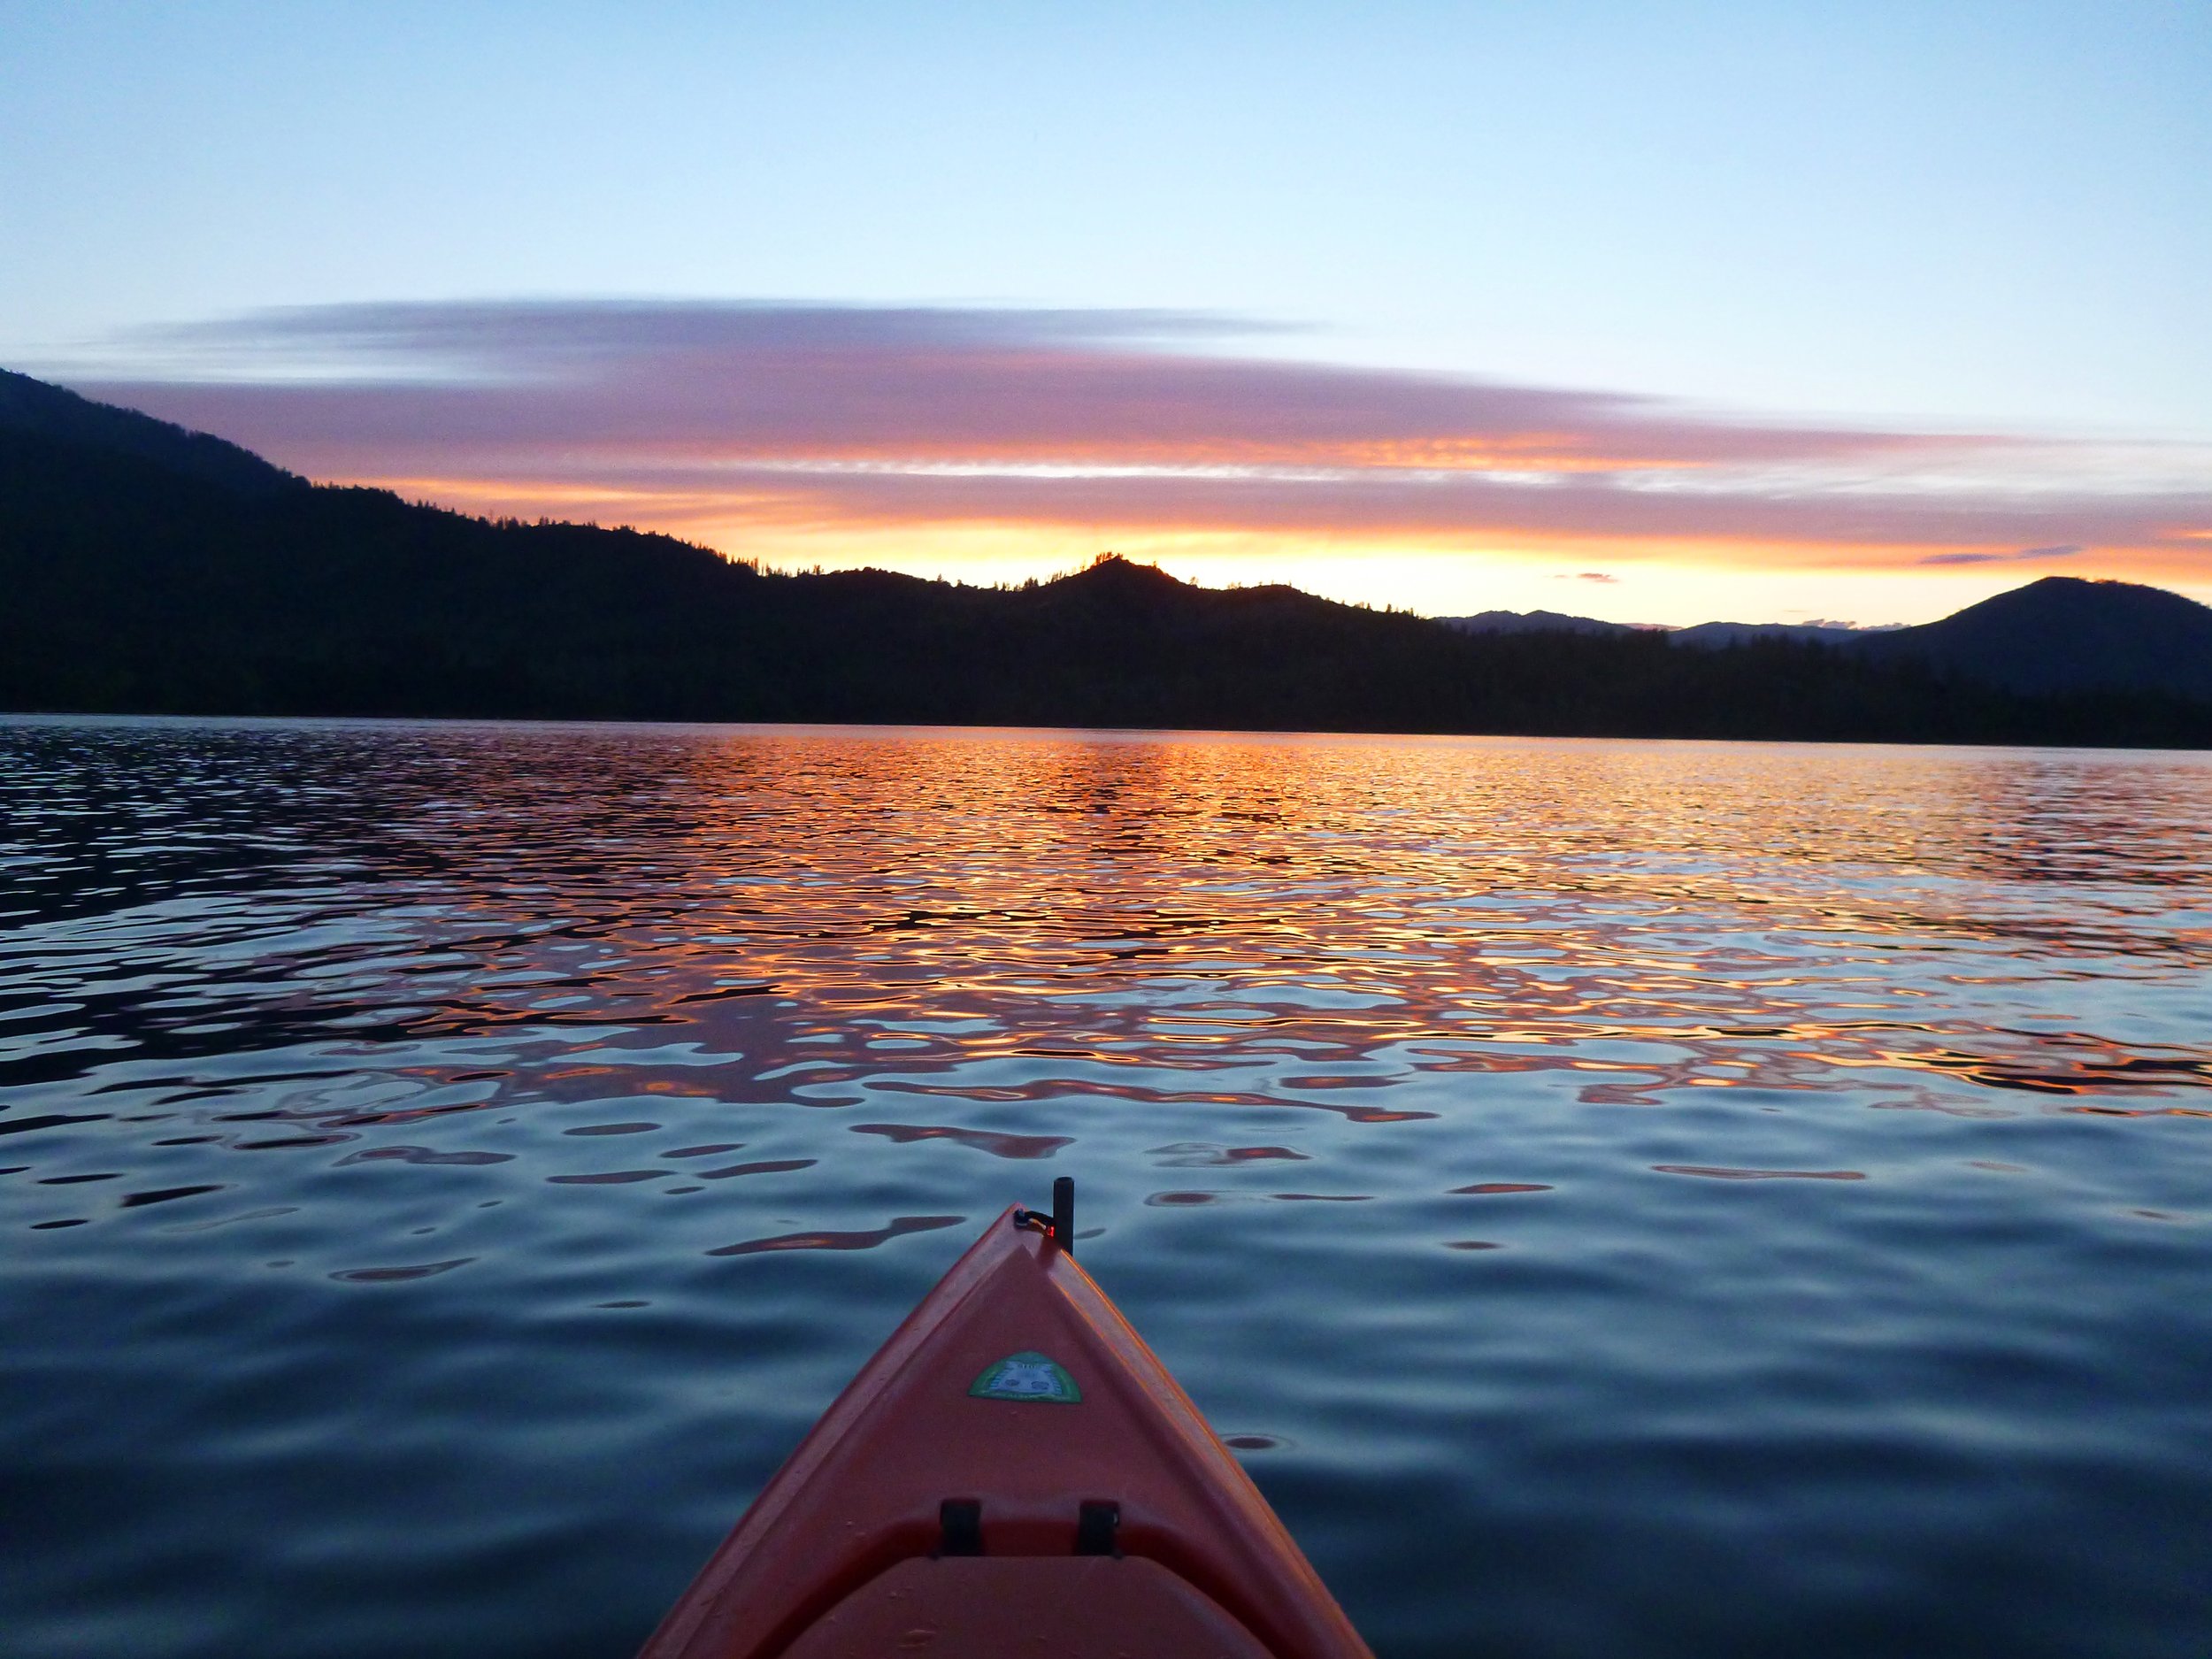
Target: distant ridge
x=2062, y=633
x=151, y=570
x=1708, y=635
x=1535, y=622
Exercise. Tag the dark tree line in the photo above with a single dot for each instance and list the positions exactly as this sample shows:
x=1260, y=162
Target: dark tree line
x=127, y=585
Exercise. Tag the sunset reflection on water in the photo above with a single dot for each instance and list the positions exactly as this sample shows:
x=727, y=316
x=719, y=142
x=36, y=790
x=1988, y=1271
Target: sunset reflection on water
x=734, y=1034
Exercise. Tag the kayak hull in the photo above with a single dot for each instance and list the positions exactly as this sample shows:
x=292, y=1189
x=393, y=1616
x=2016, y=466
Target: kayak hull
x=1012, y=1464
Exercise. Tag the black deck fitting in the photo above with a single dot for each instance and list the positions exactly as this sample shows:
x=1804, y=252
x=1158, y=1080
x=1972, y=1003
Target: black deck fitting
x=960, y=1521
x=1064, y=1213
x=1096, y=1525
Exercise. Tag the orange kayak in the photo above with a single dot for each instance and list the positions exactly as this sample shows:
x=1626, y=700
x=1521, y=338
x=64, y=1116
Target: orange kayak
x=1014, y=1472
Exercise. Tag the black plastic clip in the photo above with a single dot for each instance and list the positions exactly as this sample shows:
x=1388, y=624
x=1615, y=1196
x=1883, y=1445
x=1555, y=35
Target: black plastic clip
x=1097, y=1529
x=960, y=1525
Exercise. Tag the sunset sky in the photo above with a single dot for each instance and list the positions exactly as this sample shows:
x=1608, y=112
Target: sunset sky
x=1769, y=312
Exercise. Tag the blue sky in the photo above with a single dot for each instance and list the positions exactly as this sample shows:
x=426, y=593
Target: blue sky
x=1940, y=219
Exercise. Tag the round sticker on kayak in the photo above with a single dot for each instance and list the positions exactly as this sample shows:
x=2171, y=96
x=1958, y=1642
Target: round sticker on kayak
x=1026, y=1376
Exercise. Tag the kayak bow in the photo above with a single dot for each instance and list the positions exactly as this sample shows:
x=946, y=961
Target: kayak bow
x=1014, y=1472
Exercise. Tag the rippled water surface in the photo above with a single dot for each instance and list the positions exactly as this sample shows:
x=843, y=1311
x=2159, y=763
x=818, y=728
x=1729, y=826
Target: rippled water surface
x=1622, y=1199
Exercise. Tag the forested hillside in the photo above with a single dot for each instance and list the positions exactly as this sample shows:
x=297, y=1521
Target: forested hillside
x=143, y=569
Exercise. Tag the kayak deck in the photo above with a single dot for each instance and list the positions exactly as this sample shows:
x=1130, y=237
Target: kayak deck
x=1015, y=1470
x=1071, y=1607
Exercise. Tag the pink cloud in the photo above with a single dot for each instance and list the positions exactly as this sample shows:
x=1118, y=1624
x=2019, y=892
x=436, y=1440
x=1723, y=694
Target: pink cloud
x=718, y=413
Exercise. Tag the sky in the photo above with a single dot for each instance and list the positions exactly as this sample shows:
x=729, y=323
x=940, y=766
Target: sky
x=1659, y=313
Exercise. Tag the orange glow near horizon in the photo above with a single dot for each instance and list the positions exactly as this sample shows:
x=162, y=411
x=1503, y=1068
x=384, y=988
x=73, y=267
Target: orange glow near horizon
x=1621, y=577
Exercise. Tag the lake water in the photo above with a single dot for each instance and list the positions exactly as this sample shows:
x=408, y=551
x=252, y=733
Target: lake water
x=1622, y=1199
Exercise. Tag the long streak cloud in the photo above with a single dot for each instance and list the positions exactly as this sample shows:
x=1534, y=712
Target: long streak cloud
x=726, y=415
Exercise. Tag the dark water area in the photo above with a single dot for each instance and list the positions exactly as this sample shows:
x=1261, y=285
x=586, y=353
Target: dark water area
x=1622, y=1199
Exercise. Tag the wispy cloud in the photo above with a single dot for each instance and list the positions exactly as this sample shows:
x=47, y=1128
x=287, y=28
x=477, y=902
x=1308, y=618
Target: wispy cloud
x=2064, y=550
x=716, y=418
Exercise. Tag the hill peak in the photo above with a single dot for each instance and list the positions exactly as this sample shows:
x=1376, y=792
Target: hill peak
x=1110, y=572
x=2106, y=591
x=2067, y=634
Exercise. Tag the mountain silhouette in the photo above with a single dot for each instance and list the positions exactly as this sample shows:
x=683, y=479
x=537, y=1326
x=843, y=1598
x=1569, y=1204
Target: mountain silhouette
x=151, y=569
x=29, y=407
x=2062, y=634
x=2065, y=634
